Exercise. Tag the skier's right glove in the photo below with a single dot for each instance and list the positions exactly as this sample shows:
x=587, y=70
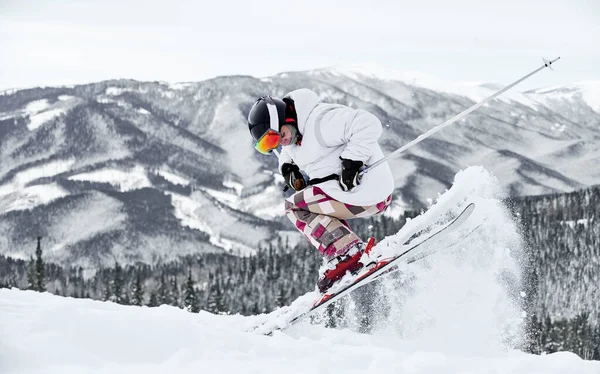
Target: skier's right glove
x=293, y=177
x=350, y=176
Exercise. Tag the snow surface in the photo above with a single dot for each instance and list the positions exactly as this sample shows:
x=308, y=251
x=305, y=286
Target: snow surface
x=226, y=198
x=16, y=195
x=193, y=212
x=457, y=311
x=180, y=85
x=268, y=204
x=49, y=334
x=515, y=173
x=39, y=119
x=29, y=197
x=175, y=179
x=589, y=91
x=37, y=106
x=115, y=91
x=39, y=112
x=101, y=214
x=127, y=180
x=45, y=170
x=238, y=187
x=105, y=100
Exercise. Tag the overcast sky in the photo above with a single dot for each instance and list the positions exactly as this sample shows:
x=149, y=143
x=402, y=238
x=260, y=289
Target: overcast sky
x=58, y=42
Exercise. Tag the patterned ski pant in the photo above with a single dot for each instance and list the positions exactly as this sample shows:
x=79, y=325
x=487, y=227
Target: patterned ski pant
x=322, y=219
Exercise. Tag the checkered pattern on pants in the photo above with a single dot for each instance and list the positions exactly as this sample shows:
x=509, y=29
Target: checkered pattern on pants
x=322, y=219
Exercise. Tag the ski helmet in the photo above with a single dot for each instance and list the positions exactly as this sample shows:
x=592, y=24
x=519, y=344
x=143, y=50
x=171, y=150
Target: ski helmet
x=266, y=113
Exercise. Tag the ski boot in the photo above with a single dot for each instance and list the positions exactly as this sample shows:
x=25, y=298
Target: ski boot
x=336, y=268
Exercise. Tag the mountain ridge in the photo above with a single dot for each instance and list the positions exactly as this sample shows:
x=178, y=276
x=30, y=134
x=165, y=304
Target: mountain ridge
x=94, y=137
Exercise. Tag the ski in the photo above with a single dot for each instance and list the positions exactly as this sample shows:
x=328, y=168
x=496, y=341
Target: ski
x=422, y=255
x=381, y=268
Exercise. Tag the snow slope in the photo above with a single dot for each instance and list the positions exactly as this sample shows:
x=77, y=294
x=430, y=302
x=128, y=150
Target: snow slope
x=127, y=180
x=42, y=333
x=18, y=195
x=457, y=311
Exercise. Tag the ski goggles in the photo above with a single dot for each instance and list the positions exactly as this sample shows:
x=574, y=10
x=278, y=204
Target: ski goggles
x=268, y=142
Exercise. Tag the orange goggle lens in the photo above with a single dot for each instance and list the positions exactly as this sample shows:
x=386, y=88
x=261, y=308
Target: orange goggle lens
x=268, y=142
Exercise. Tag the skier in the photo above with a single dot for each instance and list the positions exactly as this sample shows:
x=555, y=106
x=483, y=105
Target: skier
x=330, y=143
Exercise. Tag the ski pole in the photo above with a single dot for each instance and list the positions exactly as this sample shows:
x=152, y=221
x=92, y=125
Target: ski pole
x=276, y=153
x=547, y=64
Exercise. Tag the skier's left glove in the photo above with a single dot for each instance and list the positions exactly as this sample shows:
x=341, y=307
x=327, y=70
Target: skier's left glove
x=293, y=177
x=350, y=177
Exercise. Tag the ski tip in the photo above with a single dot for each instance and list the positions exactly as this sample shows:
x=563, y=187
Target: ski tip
x=468, y=209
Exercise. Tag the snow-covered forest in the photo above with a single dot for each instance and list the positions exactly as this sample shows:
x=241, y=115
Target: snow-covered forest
x=563, y=270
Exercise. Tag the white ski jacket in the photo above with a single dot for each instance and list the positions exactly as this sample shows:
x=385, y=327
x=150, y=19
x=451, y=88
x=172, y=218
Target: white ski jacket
x=330, y=131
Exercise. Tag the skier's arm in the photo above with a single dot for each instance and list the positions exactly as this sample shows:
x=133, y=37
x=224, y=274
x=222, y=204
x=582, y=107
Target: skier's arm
x=284, y=158
x=358, y=129
x=362, y=132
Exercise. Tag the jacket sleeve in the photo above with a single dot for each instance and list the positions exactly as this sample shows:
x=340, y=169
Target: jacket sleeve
x=284, y=157
x=358, y=129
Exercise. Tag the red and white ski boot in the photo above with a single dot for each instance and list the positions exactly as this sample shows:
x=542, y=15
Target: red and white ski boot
x=340, y=265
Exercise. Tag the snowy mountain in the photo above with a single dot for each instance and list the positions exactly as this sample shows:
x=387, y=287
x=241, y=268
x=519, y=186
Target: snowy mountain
x=147, y=171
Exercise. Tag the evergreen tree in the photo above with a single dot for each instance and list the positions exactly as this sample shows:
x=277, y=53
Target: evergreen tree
x=153, y=300
x=174, y=292
x=117, y=285
x=215, y=298
x=190, y=298
x=31, y=275
x=255, y=309
x=107, y=292
x=281, y=298
x=163, y=293
x=137, y=291
x=40, y=278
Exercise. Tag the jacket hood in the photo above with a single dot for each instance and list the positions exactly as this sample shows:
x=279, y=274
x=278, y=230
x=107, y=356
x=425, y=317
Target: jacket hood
x=305, y=101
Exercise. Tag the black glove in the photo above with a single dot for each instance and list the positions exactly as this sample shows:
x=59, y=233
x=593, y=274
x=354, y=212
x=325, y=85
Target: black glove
x=350, y=177
x=293, y=177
